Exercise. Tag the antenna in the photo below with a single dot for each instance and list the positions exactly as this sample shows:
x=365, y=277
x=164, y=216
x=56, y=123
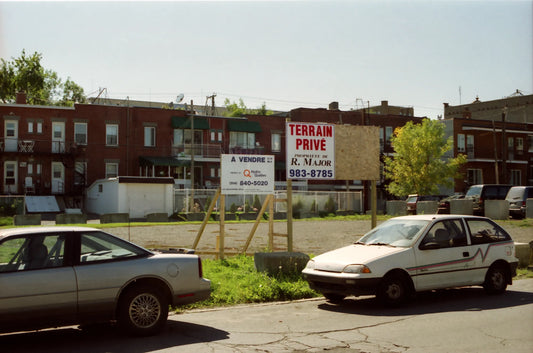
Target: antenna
x=180, y=97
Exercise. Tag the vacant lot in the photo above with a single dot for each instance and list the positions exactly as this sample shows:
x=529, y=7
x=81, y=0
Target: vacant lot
x=310, y=237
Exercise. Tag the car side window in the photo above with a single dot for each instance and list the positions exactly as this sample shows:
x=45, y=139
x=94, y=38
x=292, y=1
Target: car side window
x=32, y=252
x=484, y=231
x=99, y=246
x=446, y=234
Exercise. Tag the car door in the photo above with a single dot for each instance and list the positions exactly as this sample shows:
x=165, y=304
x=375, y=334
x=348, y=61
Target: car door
x=443, y=257
x=489, y=242
x=37, y=286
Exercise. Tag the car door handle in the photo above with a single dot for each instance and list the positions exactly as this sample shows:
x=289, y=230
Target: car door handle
x=466, y=254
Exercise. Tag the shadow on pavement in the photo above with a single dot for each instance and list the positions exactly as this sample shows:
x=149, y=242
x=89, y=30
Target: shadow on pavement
x=438, y=301
x=107, y=338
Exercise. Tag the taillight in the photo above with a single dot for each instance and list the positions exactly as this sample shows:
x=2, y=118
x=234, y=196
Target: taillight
x=200, y=269
x=523, y=203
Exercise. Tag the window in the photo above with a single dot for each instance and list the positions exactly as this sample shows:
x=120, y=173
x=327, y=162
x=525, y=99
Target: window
x=80, y=133
x=32, y=252
x=530, y=143
x=461, y=143
x=446, y=234
x=39, y=169
x=516, y=177
x=215, y=135
x=213, y=172
x=111, y=131
x=10, y=129
x=519, y=145
x=241, y=139
x=111, y=170
x=470, y=146
x=381, y=140
x=510, y=148
x=99, y=246
x=39, y=127
x=30, y=168
x=388, y=134
x=149, y=136
x=474, y=176
x=483, y=231
x=219, y=134
x=30, y=127
x=276, y=142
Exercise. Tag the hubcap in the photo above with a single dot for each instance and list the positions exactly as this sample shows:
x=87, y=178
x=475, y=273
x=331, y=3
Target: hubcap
x=394, y=291
x=144, y=310
x=498, y=279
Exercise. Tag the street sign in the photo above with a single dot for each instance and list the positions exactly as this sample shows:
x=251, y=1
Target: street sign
x=247, y=174
x=310, y=151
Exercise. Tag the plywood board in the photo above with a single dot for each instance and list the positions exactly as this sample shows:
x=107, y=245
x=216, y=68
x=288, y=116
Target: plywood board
x=41, y=204
x=356, y=152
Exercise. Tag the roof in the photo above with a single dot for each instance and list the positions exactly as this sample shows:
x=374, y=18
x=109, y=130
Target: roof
x=40, y=230
x=184, y=122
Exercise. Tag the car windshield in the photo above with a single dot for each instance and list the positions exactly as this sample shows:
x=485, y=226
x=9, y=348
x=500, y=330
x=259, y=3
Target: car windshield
x=395, y=232
x=473, y=191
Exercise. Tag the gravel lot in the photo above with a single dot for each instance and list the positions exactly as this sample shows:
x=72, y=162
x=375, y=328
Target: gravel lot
x=310, y=237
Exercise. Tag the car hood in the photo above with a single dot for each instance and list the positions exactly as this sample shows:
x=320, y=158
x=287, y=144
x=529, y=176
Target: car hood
x=336, y=260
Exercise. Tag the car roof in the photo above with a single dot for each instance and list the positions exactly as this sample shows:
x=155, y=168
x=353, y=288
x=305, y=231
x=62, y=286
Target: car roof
x=6, y=232
x=431, y=217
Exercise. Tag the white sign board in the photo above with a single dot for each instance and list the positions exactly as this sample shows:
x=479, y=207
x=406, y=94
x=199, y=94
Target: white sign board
x=247, y=174
x=310, y=151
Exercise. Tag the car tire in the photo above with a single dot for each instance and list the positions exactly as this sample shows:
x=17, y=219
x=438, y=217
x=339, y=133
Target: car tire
x=334, y=297
x=495, y=280
x=393, y=290
x=143, y=311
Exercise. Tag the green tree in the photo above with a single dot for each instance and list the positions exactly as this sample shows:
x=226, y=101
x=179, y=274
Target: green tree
x=234, y=109
x=419, y=166
x=44, y=87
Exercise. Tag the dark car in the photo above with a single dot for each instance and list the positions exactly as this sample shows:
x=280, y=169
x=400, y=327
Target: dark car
x=444, y=204
x=517, y=197
x=412, y=200
x=480, y=193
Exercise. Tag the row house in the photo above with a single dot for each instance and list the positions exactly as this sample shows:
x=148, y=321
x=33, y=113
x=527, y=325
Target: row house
x=48, y=150
x=497, y=139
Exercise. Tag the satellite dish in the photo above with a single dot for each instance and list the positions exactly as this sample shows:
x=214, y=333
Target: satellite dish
x=180, y=97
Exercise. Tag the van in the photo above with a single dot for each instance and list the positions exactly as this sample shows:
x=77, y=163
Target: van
x=517, y=197
x=480, y=193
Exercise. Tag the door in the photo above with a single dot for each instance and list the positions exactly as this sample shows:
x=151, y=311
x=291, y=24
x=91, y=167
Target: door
x=11, y=134
x=10, y=177
x=37, y=287
x=58, y=178
x=58, y=137
x=443, y=258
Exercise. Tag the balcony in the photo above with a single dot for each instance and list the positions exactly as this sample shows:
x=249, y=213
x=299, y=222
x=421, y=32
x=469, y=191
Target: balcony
x=200, y=150
x=33, y=146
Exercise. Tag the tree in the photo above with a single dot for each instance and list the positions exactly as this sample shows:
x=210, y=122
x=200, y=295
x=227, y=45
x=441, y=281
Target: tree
x=44, y=87
x=239, y=109
x=418, y=166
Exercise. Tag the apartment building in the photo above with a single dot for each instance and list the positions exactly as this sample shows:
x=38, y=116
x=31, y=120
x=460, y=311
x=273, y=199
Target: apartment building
x=497, y=138
x=61, y=151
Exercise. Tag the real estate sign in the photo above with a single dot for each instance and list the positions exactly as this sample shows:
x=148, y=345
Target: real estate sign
x=310, y=150
x=247, y=174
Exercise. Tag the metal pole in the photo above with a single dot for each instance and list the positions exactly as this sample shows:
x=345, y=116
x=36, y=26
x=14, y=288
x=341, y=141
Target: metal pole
x=192, y=155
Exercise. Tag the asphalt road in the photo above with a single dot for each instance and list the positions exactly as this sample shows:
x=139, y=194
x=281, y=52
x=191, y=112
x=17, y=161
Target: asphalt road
x=455, y=320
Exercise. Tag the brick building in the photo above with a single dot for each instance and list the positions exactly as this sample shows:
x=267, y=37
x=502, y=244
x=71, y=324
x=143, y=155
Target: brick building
x=497, y=138
x=61, y=151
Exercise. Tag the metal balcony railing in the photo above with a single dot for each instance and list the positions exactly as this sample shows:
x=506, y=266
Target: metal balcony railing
x=18, y=145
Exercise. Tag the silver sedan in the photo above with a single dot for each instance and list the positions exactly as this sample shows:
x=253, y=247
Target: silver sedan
x=56, y=276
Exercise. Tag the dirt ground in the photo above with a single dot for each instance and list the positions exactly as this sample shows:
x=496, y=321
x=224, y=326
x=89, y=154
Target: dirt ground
x=310, y=237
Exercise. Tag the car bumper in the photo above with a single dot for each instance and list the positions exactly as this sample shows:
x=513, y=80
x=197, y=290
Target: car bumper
x=188, y=298
x=341, y=284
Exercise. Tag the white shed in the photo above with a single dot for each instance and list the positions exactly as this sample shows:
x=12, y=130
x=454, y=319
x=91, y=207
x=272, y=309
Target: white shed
x=137, y=196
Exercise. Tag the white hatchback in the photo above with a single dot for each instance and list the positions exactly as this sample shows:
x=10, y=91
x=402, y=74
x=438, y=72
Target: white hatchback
x=410, y=254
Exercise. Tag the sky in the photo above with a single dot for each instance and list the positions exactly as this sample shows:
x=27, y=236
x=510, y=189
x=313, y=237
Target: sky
x=285, y=54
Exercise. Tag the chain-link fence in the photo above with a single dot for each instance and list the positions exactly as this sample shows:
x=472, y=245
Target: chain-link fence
x=312, y=202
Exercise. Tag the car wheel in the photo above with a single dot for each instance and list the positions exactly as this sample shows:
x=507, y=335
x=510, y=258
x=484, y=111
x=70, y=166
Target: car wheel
x=334, y=297
x=143, y=311
x=495, y=280
x=393, y=290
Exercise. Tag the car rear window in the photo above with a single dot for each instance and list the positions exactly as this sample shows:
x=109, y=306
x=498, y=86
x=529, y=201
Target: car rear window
x=474, y=191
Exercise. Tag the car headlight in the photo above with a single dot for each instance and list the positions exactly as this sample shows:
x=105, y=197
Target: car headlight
x=356, y=269
x=310, y=265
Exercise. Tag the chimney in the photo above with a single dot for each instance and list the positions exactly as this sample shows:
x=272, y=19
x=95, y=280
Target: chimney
x=334, y=106
x=21, y=98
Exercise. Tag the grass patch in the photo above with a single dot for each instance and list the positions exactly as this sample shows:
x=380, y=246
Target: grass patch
x=236, y=281
x=522, y=273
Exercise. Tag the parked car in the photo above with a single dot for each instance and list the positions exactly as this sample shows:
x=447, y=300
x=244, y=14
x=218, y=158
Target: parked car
x=444, y=204
x=480, y=193
x=410, y=254
x=56, y=276
x=517, y=197
x=412, y=201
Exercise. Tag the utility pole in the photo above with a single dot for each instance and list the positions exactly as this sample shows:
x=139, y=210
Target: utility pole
x=212, y=111
x=504, y=147
x=192, y=155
